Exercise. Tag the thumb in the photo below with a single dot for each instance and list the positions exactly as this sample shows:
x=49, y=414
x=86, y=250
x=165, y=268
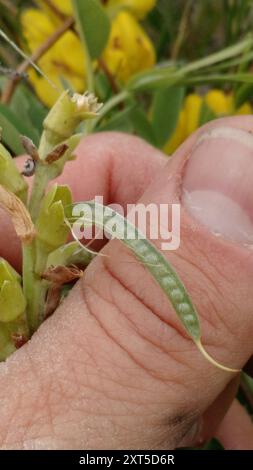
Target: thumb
x=114, y=368
x=211, y=175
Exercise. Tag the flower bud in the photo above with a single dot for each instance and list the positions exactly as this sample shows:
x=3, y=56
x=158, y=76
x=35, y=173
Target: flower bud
x=67, y=113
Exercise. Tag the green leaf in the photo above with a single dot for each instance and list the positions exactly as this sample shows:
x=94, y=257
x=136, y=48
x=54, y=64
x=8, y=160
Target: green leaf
x=6, y=345
x=72, y=253
x=94, y=25
x=206, y=114
x=142, y=126
x=243, y=94
x=10, y=177
x=165, y=112
x=28, y=108
x=52, y=231
x=120, y=121
x=12, y=128
x=7, y=272
x=164, y=76
x=12, y=301
x=102, y=86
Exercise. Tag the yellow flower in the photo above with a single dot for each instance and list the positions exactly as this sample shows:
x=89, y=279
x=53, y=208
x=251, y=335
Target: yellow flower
x=219, y=103
x=138, y=8
x=64, y=59
x=64, y=6
x=129, y=49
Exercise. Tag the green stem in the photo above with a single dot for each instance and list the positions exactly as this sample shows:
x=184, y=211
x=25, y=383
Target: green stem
x=41, y=180
x=33, y=287
x=30, y=286
x=114, y=101
x=182, y=29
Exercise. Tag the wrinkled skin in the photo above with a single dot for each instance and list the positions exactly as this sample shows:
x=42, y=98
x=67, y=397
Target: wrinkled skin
x=113, y=368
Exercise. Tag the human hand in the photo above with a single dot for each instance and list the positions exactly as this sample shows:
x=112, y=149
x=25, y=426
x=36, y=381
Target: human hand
x=113, y=369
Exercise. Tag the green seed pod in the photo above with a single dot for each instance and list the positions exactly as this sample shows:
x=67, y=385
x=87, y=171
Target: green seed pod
x=12, y=300
x=10, y=177
x=156, y=264
x=51, y=229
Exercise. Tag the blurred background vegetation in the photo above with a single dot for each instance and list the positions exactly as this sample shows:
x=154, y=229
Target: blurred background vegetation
x=162, y=68
x=163, y=36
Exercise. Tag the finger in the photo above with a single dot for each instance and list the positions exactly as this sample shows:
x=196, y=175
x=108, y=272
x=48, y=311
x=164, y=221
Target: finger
x=120, y=335
x=236, y=429
x=212, y=177
x=217, y=411
x=113, y=165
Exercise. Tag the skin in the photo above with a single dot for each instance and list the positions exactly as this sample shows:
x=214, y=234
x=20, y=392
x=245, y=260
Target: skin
x=113, y=369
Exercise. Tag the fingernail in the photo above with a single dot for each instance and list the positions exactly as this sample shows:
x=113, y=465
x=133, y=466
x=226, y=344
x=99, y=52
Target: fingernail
x=218, y=183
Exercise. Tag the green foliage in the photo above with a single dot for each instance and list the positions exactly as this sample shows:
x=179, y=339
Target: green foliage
x=166, y=107
x=94, y=25
x=50, y=226
x=12, y=300
x=10, y=176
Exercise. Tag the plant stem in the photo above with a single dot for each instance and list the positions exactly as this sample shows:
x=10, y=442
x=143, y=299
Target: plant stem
x=182, y=30
x=34, y=287
x=114, y=101
x=109, y=75
x=31, y=287
x=41, y=180
x=55, y=10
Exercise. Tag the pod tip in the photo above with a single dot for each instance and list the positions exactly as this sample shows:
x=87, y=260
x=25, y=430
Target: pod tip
x=212, y=361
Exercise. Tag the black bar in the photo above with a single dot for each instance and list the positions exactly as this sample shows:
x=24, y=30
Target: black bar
x=115, y=459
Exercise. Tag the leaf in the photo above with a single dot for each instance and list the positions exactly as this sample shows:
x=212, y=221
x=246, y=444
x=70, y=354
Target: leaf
x=62, y=274
x=12, y=301
x=165, y=112
x=120, y=121
x=53, y=300
x=30, y=148
x=6, y=345
x=142, y=127
x=12, y=129
x=56, y=153
x=28, y=109
x=167, y=75
x=68, y=254
x=243, y=93
x=7, y=272
x=51, y=229
x=94, y=25
x=10, y=176
x=206, y=114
